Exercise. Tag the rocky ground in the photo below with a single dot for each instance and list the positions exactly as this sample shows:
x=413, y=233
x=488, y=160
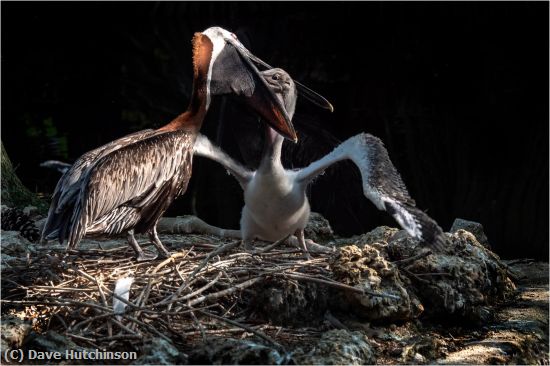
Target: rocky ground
x=376, y=298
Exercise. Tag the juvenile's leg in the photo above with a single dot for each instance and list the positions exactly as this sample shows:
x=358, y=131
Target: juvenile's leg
x=301, y=240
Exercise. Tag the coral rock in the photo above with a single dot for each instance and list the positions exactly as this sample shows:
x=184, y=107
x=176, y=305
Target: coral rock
x=367, y=269
x=462, y=282
x=13, y=332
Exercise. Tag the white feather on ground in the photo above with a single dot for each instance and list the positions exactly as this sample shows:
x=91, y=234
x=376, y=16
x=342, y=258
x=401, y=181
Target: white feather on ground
x=122, y=290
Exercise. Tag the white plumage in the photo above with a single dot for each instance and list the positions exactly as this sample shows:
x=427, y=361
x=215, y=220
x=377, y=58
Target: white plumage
x=275, y=198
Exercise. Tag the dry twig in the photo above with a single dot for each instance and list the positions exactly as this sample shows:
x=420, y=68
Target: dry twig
x=77, y=289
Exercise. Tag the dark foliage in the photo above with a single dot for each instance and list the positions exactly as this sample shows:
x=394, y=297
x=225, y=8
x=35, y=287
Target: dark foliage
x=458, y=92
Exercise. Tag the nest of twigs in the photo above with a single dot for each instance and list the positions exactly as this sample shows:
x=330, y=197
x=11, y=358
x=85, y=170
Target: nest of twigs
x=203, y=290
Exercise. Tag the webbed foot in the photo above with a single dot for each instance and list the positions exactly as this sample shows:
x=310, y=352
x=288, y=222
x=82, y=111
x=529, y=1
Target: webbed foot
x=146, y=256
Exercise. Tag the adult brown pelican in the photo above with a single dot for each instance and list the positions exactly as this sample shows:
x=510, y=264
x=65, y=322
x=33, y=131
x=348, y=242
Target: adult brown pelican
x=127, y=184
x=275, y=198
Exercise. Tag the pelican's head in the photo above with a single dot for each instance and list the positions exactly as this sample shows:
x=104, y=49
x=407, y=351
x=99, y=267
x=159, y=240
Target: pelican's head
x=221, y=35
x=223, y=66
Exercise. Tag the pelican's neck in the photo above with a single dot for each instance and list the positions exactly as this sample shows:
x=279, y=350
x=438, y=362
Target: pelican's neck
x=193, y=117
x=271, y=154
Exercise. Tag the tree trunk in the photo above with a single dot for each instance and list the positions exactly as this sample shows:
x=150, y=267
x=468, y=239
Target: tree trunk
x=14, y=193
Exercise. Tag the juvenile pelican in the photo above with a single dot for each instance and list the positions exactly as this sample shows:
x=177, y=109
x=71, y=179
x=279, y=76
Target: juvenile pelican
x=275, y=198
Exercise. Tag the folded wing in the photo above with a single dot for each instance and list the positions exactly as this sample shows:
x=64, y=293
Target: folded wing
x=70, y=184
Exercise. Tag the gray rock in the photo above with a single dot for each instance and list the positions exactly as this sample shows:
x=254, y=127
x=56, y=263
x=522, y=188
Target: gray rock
x=14, y=246
x=31, y=211
x=318, y=229
x=52, y=342
x=474, y=227
x=160, y=352
x=229, y=351
x=13, y=242
x=337, y=347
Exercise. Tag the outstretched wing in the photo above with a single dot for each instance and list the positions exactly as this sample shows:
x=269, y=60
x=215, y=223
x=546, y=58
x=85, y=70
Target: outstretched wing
x=204, y=147
x=382, y=184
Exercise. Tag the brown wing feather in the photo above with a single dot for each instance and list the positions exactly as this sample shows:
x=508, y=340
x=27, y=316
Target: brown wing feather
x=70, y=184
x=134, y=176
x=72, y=179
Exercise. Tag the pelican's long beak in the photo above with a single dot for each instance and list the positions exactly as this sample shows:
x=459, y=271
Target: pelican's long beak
x=306, y=92
x=265, y=101
x=233, y=71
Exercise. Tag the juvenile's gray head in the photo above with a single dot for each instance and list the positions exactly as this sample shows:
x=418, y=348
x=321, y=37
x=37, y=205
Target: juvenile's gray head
x=284, y=88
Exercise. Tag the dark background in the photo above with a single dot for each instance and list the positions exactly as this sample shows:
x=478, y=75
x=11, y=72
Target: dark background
x=457, y=91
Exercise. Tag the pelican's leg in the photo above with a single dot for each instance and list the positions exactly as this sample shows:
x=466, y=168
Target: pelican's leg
x=155, y=240
x=141, y=255
x=301, y=240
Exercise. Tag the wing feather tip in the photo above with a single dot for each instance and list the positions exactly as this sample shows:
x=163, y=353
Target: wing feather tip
x=418, y=224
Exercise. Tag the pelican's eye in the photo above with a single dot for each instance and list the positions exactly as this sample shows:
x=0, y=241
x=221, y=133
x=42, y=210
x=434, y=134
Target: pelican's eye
x=234, y=36
x=276, y=77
